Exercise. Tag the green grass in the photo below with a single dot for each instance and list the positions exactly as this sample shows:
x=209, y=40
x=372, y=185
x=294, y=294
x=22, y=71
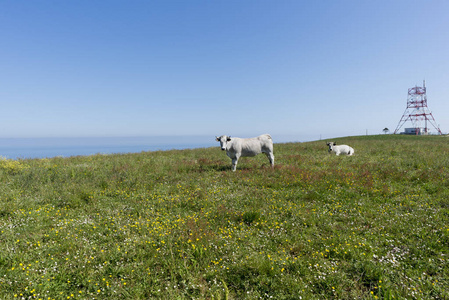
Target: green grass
x=181, y=225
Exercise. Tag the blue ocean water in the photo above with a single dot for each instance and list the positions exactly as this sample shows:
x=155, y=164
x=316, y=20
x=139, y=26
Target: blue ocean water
x=22, y=148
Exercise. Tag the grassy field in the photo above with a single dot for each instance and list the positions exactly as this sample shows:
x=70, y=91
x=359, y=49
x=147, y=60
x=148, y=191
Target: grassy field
x=181, y=225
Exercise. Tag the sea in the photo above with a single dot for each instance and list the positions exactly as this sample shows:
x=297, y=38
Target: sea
x=30, y=148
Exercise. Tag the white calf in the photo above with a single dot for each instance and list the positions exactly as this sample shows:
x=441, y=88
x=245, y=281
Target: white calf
x=237, y=147
x=341, y=149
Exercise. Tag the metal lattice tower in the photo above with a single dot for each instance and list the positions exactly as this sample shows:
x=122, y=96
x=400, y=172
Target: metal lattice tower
x=417, y=111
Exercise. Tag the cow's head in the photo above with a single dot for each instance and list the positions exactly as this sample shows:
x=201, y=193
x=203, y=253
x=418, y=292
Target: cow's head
x=331, y=146
x=224, y=139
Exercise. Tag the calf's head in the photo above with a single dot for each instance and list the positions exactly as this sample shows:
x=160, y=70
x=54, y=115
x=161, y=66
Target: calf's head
x=224, y=139
x=331, y=146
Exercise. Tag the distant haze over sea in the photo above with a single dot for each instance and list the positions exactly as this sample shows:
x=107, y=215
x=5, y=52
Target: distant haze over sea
x=15, y=148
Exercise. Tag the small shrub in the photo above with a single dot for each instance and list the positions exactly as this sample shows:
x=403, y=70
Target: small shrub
x=250, y=217
x=12, y=166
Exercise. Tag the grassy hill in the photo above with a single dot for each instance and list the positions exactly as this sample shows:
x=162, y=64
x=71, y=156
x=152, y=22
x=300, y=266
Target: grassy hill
x=181, y=225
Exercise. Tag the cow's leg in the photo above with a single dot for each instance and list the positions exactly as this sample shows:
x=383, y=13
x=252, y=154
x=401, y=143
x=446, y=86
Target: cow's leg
x=269, y=153
x=270, y=158
x=234, y=164
x=235, y=160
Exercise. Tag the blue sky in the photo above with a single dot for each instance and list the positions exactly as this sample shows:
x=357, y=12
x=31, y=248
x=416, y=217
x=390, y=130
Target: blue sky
x=299, y=70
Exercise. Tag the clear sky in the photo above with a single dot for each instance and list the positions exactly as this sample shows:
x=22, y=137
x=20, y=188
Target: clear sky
x=303, y=69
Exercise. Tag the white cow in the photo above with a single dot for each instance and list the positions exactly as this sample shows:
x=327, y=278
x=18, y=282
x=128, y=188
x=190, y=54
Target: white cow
x=237, y=147
x=341, y=149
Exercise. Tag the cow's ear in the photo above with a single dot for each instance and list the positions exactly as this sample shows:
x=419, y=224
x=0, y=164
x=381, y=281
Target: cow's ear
x=217, y=139
x=229, y=138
